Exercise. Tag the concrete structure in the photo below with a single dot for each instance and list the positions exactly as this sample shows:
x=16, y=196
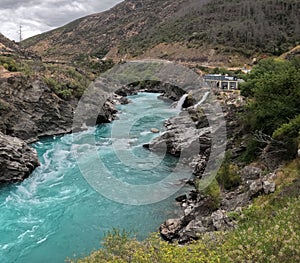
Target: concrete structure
x=221, y=81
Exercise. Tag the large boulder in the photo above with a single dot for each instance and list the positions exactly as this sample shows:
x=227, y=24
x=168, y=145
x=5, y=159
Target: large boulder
x=182, y=136
x=17, y=159
x=169, y=229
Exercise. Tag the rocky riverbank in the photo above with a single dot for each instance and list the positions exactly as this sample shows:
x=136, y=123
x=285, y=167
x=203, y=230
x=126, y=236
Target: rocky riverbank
x=201, y=216
x=201, y=211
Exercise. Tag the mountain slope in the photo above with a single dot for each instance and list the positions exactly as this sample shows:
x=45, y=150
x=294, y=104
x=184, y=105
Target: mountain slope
x=98, y=33
x=7, y=46
x=191, y=29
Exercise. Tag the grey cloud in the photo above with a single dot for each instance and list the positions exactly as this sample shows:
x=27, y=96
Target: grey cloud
x=38, y=16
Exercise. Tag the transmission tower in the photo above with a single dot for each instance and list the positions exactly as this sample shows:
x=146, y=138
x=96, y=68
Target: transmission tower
x=20, y=34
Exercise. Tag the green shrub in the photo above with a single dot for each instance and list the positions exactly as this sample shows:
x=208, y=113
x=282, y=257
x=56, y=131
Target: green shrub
x=212, y=191
x=274, y=88
x=288, y=130
x=267, y=236
x=65, y=93
x=289, y=134
x=9, y=63
x=252, y=151
x=227, y=176
x=103, y=65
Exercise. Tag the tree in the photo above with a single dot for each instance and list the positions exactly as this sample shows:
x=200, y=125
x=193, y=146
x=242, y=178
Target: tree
x=274, y=91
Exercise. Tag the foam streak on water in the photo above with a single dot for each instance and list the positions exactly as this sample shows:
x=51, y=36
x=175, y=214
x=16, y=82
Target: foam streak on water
x=55, y=214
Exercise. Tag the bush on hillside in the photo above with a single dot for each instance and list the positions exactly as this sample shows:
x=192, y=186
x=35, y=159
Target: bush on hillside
x=227, y=176
x=9, y=63
x=273, y=89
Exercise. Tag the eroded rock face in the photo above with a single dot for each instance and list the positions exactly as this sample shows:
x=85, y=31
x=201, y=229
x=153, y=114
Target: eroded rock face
x=32, y=110
x=29, y=109
x=17, y=159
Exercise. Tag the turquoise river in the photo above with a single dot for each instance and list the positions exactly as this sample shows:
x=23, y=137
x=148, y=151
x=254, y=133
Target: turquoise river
x=55, y=214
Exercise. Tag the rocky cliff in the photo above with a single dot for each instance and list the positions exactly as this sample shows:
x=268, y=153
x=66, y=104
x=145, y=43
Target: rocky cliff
x=29, y=109
x=10, y=48
x=17, y=159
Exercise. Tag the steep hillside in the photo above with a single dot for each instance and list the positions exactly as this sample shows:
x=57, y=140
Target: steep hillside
x=98, y=33
x=7, y=46
x=197, y=30
x=11, y=49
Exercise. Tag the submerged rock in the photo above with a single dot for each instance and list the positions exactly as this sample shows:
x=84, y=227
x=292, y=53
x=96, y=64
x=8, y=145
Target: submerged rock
x=17, y=159
x=154, y=130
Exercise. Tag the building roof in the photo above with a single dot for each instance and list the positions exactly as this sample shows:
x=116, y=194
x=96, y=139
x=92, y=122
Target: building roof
x=219, y=77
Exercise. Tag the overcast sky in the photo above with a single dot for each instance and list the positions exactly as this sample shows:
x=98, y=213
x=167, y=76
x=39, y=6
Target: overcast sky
x=37, y=16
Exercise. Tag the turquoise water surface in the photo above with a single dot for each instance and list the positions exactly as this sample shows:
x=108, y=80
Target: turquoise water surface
x=55, y=213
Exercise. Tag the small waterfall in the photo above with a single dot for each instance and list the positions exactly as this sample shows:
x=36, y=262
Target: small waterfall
x=180, y=102
x=204, y=98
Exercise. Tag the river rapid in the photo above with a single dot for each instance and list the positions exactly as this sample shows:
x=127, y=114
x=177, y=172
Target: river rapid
x=56, y=214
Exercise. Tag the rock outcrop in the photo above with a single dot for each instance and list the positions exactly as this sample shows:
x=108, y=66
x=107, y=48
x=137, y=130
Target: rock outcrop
x=180, y=135
x=17, y=159
x=29, y=109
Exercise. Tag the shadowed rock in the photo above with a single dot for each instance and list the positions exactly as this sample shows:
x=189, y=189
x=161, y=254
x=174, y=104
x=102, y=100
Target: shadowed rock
x=17, y=159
